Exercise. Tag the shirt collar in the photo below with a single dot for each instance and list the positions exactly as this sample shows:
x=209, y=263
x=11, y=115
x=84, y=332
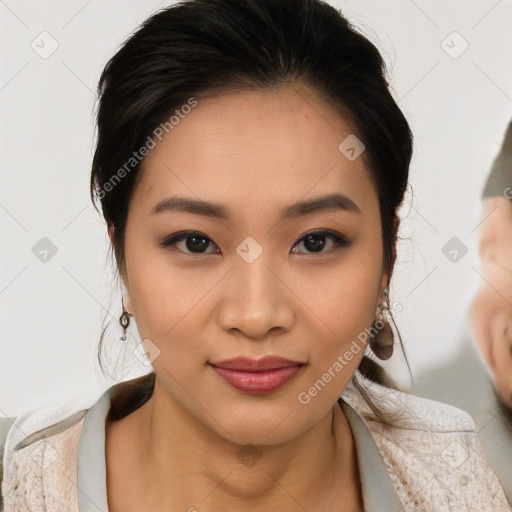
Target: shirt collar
x=92, y=473
x=378, y=491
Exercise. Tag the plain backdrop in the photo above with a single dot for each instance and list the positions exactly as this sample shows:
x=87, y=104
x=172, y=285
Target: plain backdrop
x=450, y=69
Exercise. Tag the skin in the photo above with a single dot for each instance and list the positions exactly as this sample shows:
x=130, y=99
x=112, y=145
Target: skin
x=490, y=312
x=254, y=153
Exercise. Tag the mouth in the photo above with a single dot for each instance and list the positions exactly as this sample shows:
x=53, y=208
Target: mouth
x=257, y=376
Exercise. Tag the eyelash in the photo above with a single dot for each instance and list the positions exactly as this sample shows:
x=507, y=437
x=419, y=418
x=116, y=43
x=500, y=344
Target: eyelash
x=339, y=241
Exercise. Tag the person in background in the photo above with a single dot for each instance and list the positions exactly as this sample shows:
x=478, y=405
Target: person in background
x=490, y=313
x=480, y=379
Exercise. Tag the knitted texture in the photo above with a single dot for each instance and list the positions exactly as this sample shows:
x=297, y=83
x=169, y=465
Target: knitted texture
x=431, y=452
x=43, y=476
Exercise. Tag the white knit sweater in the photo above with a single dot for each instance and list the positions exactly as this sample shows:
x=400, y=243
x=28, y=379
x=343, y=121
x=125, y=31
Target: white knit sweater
x=431, y=452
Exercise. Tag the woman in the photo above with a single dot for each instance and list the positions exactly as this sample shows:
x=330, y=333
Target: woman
x=250, y=163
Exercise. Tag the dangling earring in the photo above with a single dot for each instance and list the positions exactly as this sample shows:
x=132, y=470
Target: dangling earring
x=124, y=320
x=382, y=342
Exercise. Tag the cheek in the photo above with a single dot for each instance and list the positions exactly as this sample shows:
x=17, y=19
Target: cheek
x=352, y=296
x=347, y=318
x=164, y=296
x=169, y=314
x=346, y=304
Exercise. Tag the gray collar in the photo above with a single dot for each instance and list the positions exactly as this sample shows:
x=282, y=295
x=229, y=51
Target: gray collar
x=378, y=491
x=92, y=471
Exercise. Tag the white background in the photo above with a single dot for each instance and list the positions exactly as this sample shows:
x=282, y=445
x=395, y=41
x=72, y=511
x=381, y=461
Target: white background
x=51, y=313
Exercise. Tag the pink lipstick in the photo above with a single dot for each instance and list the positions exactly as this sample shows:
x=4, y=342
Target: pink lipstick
x=257, y=376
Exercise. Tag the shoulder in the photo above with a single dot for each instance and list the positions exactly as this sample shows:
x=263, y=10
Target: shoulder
x=431, y=450
x=40, y=459
x=403, y=410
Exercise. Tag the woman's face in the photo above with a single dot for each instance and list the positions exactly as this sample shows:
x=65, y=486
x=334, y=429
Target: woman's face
x=490, y=312
x=247, y=282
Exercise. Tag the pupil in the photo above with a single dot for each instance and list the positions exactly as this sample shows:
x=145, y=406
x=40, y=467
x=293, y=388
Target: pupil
x=192, y=246
x=315, y=246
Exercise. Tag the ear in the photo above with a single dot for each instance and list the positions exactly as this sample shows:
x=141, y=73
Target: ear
x=386, y=273
x=384, y=281
x=110, y=232
x=127, y=301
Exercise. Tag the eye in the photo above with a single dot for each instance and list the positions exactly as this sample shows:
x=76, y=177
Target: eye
x=314, y=241
x=195, y=242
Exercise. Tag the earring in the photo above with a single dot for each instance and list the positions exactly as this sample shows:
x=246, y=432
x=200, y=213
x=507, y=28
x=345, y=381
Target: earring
x=124, y=320
x=382, y=341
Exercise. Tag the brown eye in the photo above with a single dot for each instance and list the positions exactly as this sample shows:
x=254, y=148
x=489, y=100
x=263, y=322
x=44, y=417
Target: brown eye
x=195, y=242
x=315, y=241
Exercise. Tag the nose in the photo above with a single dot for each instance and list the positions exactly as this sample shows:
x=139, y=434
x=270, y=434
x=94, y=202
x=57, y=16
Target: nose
x=256, y=302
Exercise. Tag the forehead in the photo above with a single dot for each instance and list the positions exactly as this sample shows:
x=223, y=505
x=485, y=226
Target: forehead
x=251, y=150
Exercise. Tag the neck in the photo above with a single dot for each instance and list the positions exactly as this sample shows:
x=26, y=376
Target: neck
x=187, y=465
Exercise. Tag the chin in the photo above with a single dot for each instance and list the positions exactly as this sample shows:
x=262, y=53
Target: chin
x=255, y=430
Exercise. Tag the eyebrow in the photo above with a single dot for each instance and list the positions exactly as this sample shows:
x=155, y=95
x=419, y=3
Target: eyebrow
x=326, y=203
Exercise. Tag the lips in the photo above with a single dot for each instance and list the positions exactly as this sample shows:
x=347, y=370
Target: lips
x=256, y=365
x=257, y=376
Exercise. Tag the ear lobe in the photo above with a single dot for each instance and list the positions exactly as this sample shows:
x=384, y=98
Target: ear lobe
x=383, y=284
